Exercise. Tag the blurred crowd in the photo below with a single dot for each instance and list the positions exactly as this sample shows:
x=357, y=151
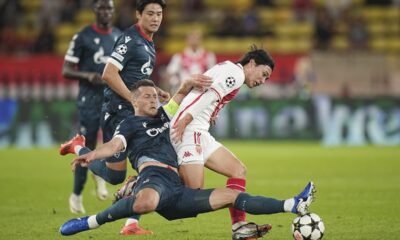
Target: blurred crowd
x=29, y=26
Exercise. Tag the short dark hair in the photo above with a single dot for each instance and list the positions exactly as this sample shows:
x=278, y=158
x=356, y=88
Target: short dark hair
x=142, y=83
x=260, y=56
x=141, y=4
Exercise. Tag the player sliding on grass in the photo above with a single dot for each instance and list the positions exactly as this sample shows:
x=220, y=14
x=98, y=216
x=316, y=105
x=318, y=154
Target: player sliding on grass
x=192, y=141
x=145, y=138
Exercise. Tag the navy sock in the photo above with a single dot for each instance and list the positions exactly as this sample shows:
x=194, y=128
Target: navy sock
x=258, y=205
x=84, y=150
x=121, y=209
x=80, y=176
x=111, y=176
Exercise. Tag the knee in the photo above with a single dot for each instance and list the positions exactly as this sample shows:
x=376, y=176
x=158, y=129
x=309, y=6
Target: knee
x=116, y=177
x=239, y=172
x=142, y=207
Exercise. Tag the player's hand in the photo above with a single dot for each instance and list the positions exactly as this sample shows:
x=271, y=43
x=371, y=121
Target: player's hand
x=83, y=160
x=200, y=82
x=179, y=128
x=95, y=78
x=163, y=96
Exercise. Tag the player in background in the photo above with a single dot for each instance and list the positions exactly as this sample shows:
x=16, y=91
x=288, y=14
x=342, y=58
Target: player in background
x=159, y=187
x=192, y=141
x=132, y=59
x=193, y=60
x=85, y=61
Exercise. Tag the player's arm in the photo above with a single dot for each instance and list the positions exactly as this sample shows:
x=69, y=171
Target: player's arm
x=74, y=53
x=108, y=149
x=115, y=82
x=197, y=81
x=163, y=96
x=217, y=91
x=71, y=71
x=206, y=99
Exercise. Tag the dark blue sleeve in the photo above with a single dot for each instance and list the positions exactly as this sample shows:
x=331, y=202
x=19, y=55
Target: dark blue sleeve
x=123, y=51
x=126, y=129
x=75, y=49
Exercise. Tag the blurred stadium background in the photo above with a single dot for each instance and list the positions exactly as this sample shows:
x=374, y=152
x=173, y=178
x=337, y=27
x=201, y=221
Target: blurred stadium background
x=337, y=77
x=336, y=83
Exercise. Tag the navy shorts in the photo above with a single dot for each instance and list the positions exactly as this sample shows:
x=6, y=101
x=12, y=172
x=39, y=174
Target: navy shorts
x=176, y=200
x=89, y=122
x=109, y=123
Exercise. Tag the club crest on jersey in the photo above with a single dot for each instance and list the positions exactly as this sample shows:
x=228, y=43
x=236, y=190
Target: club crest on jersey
x=230, y=82
x=121, y=49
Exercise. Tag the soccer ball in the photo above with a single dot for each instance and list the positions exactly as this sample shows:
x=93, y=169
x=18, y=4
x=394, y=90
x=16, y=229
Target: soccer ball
x=308, y=227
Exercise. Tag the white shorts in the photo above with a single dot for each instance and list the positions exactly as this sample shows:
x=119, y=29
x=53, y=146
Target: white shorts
x=196, y=147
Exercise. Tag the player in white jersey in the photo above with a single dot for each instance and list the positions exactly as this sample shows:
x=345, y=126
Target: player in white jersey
x=190, y=135
x=193, y=60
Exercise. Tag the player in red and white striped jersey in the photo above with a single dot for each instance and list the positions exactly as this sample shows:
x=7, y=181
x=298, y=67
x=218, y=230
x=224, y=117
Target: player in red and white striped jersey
x=193, y=60
x=190, y=135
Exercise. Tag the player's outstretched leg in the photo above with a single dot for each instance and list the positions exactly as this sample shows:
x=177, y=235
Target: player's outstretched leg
x=70, y=146
x=304, y=199
x=132, y=224
x=132, y=228
x=74, y=226
x=250, y=231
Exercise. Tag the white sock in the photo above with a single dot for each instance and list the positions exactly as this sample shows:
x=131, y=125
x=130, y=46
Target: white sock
x=130, y=221
x=77, y=148
x=92, y=222
x=288, y=205
x=75, y=196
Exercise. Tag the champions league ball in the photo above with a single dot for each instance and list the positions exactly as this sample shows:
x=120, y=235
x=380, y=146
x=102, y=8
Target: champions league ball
x=308, y=227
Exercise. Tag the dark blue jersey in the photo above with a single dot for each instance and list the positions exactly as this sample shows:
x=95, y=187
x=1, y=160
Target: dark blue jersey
x=147, y=137
x=89, y=49
x=134, y=55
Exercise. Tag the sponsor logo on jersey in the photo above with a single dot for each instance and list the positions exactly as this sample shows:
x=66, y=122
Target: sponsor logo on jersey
x=121, y=49
x=99, y=57
x=230, y=82
x=155, y=131
x=146, y=68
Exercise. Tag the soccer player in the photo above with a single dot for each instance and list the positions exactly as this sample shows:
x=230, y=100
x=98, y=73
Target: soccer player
x=193, y=60
x=192, y=141
x=85, y=61
x=159, y=187
x=133, y=59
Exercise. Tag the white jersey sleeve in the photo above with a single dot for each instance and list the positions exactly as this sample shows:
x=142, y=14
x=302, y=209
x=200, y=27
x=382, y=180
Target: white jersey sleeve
x=227, y=77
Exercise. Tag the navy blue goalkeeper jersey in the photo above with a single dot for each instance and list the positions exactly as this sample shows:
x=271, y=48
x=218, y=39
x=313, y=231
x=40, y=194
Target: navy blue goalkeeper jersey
x=147, y=137
x=134, y=55
x=89, y=49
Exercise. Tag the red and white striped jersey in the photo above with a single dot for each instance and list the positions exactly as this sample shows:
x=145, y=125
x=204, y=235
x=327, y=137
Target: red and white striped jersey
x=190, y=62
x=227, y=78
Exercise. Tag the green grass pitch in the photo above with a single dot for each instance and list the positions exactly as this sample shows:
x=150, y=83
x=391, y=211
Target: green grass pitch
x=358, y=193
